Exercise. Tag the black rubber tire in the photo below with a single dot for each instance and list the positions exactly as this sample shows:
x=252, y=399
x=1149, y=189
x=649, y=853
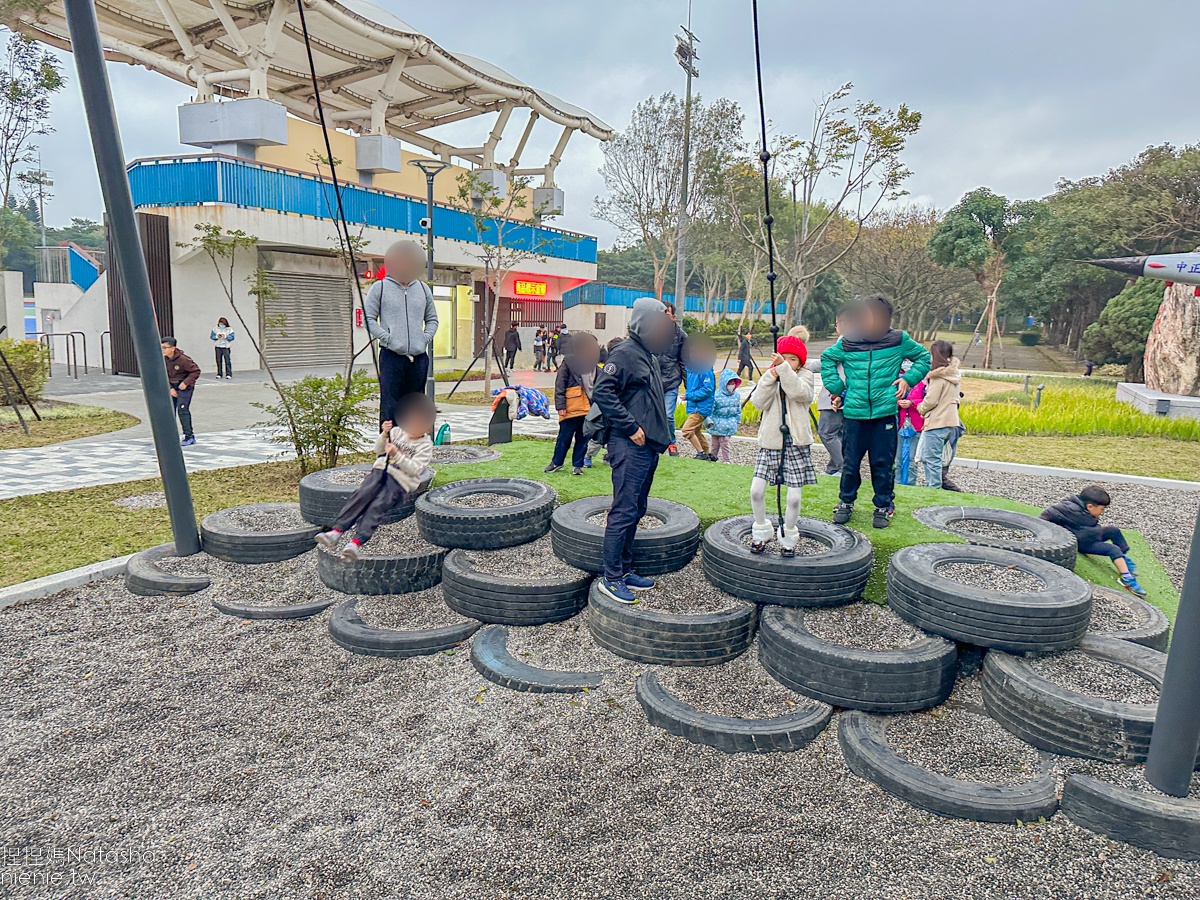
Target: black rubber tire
x=1168, y=826
x=321, y=500
x=447, y=525
x=373, y=575
x=656, y=551
x=145, y=578
x=490, y=656
x=477, y=454
x=1050, y=542
x=702, y=639
x=915, y=677
x=1052, y=619
x=225, y=540
x=827, y=579
x=510, y=601
x=778, y=734
x=863, y=738
x=1153, y=628
x=348, y=630
x=1053, y=718
x=290, y=611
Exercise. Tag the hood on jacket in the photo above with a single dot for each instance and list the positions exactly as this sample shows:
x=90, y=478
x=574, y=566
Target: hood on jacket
x=646, y=324
x=727, y=376
x=950, y=372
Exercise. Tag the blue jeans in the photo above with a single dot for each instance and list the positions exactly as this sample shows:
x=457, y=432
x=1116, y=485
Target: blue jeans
x=670, y=401
x=632, y=475
x=935, y=442
x=906, y=453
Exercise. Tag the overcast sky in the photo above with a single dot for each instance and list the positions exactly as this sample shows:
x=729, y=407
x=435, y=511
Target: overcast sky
x=1015, y=95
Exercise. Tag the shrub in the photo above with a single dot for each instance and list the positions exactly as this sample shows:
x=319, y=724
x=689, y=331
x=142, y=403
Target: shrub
x=30, y=361
x=1119, y=334
x=1030, y=337
x=1111, y=370
x=320, y=419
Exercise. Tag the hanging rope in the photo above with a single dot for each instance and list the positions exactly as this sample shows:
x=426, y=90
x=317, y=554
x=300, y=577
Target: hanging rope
x=764, y=156
x=340, y=224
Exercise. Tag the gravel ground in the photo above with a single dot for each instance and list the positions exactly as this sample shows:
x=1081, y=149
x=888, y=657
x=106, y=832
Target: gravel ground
x=283, y=584
x=647, y=521
x=980, y=528
x=395, y=538
x=407, y=612
x=258, y=759
x=260, y=520
x=485, y=500
x=741, y=688
x=960, y=740
x=535, y=560
x=991, y=576
x=345, y=477
x=865, y=625
x=569, y=647
x=1078, y=672
x=686, y=591
x=447, y=454
x=804, y=546
x=1110, y=612
x=153, y=500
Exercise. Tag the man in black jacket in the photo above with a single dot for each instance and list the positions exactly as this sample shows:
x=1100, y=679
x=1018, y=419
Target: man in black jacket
x=629, y=392
x=670, y=364
x=512, y=343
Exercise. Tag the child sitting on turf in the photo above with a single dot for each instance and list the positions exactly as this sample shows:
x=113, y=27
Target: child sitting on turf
x=1081, y=516
x=726, y=414
x=404, y=451
x=792, y=455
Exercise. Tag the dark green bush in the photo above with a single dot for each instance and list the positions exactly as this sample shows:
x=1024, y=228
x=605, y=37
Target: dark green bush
x=1030, y=337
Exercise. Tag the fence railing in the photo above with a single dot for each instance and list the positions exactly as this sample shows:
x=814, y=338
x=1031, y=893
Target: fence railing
x=69, y=265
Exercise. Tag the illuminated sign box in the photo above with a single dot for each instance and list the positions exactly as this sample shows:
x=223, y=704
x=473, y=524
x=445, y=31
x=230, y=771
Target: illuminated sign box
x=529, y=288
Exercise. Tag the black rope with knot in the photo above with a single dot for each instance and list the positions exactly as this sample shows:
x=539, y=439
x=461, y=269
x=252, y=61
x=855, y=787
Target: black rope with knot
x=764, y=156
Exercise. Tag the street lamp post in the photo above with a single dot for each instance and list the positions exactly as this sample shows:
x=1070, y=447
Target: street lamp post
x=686, y=56
x=430, y=167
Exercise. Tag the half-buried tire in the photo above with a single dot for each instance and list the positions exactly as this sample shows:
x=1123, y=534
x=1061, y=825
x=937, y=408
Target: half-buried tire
x=1004, y=530
x=1168, y=826
x=863, y=739
x=830, y=578
x=913, y=677
x=667, y=547
x=267, y=611
x=515, y=599
x=490, y=656
x=348, y=630
x=1145, y=624
x=144, y=577
x=324, y=493
x=224, y=537
x=462, y=454
x=447, y=517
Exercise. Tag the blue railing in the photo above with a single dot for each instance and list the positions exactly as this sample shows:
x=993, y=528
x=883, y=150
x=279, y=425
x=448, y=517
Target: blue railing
x=611, y=295
x=193, y=180
x=83, y=271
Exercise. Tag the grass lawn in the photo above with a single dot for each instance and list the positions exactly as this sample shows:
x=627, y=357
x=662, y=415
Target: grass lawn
x=465, y=397
x=60, y=422
x=1157, y=457
x=47, y=533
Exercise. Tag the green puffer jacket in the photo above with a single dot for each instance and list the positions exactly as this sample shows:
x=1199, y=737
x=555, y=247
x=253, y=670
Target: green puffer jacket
x=870, y=366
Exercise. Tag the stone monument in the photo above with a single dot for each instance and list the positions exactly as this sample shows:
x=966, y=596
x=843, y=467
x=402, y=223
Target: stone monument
x=1173, y=348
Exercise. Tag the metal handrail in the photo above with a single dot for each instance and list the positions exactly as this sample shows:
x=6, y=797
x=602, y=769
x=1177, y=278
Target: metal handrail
x=103, y=358
x=84, y=338
x=70, y=349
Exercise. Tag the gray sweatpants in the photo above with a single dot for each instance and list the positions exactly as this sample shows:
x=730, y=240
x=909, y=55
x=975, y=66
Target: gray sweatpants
x=829, y=427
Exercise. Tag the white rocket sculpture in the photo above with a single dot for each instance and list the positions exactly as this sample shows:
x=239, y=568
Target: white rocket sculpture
x=1173, y=268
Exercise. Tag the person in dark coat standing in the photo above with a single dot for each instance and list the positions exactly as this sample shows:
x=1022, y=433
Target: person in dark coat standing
x=745, y=360
x=670, y=365
x=182, y=373
x=629, y=394
x=512, y=345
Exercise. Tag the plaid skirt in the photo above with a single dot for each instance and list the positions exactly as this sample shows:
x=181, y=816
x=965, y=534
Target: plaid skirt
x=798, y=469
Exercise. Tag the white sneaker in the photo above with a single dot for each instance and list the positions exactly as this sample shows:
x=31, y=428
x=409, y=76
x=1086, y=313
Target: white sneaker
x=788, y=539
x=761, y=534
x=351, y=552
x=328, y=539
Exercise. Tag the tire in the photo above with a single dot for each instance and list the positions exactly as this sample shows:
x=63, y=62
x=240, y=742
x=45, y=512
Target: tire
x=1152, y=629
x=1053, y=718
x=1052, y=619
x=669, y=639
x=475, y=454
x=828, y=579
x=656, y=551
x=863, y=739
x=348, y=630
x=510, y=601
x=1168, y=826
x=447, y=525
x=778, y=734
x=225, y=540
x=290, y=611
x=321, y=500
x=909, y=678
x=373, y=575
x=145, y=578
x=1050, y=542
x=490, y=656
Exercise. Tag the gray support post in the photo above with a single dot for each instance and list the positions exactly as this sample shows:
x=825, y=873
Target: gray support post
x=430, y=381
x=1176, y=737
x=131, y=266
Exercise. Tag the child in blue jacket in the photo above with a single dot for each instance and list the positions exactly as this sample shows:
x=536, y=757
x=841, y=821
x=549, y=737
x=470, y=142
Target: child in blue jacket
x=701, y=390
x=726, y=414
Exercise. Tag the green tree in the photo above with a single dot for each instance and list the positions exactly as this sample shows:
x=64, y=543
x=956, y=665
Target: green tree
x=1119, y=334
x=18, y=237
x=84, y=232
x=29, y=77
x=629, y=266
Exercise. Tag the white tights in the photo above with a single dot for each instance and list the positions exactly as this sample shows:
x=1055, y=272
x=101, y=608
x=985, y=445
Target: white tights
x=758, y=505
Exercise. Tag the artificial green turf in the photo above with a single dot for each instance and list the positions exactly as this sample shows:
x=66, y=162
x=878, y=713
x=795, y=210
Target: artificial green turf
x=717, y=491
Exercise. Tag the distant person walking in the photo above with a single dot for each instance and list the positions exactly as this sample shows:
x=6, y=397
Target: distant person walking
x=745, y=356
x=1088, y=365
x=222, y=336
x=512, y=346
x=539, y=348
x=552, y=349
x=402, y=317
x=182, y=373
x=670, y=366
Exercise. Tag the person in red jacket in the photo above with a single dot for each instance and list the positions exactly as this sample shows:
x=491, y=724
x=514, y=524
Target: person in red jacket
x=182, y=373
x=911, y=424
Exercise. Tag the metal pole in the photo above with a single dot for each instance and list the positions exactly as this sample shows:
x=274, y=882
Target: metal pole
x=131, y=266
x=688, y=65
x=430, y=383
x=1176, y=736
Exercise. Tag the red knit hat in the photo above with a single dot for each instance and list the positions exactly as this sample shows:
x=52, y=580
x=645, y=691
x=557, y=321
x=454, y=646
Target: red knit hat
x=793, y=345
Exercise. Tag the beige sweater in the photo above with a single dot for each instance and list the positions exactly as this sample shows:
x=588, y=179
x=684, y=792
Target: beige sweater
x=799, y=388
x=940, y=406
x=408, y=465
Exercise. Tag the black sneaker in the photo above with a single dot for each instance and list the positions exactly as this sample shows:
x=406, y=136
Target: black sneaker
x=577, y=470
x=553, y=467
x=842, y=513
x=883, y=516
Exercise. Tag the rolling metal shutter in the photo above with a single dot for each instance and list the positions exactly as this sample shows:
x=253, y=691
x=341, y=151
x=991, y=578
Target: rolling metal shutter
x=308, y=324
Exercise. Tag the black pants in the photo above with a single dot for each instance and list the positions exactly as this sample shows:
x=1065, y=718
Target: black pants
x=568, y=430
x=399, y=376
x=1104, y=540
x=510, y=358
x=183, y=409
x=552, y=360
x=748, y=366
x=224, y=361
x=876, y=439
x=370, y=504
x=632, y=475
